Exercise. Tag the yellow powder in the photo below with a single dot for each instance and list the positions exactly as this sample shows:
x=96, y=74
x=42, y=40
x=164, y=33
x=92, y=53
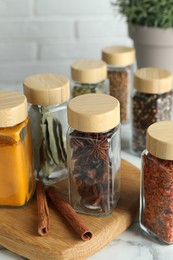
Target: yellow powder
x=16, y=172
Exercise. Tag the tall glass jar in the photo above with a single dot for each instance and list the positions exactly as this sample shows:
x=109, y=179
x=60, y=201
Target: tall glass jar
x=89, y=76
x=156, y=195
x=93, y=141
x=48, y=94
x=120, y=60
x=16, y=172
x=151, y=102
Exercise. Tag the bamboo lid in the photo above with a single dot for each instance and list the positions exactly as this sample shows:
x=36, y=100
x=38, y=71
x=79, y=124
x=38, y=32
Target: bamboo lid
x=118, y=55
x=89, y=71
x=46, y=89
x=160, y=140
x=93, y=113
x=13, y=108
x=153, y=80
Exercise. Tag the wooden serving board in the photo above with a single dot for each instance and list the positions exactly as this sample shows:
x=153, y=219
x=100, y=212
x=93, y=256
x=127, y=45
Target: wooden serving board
x=18, y=227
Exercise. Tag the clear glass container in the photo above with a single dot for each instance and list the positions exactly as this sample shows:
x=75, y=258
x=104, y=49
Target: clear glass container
x=17, y=183
x=89, y=76
x=48, y=116
x=151, y=102
x=94, y=154
x=156, y=197
x=120, y=60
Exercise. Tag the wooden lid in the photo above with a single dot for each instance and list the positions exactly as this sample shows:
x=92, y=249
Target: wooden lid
x=153, y=80
x=46, y=89
x=93, y=113
x=13, y=108
x=118, y=55
x=160, y=139
x=89, y=71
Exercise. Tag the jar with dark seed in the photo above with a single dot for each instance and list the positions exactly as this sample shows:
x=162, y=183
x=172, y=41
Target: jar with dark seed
x=151, y=102
x=120, y=60
x=47, y=95
x=89, y=76
x=156, y=193
x=93, y=142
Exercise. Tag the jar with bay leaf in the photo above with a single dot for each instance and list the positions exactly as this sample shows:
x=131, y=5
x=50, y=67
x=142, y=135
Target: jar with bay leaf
x=93, y=142
x=120, y=60
x=17, y=183
x=48, y=95
x=89, y=76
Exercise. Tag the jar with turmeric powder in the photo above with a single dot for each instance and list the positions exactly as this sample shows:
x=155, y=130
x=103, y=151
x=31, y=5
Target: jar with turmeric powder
x=48, y=95
x=16, y=171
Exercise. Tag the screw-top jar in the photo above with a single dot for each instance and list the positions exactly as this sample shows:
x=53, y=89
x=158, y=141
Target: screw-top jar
x=16, y=171
x=156, y=203
x=93, y=141
x=151, y=102
x=89, y=76
x=120, y=60
x=48, y=94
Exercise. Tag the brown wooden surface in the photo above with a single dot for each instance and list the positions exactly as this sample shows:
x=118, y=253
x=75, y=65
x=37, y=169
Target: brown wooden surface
x=18, y=227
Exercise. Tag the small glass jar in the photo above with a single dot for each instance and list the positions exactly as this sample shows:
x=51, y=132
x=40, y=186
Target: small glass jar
x=48, y=94
x=156, y=195
x=120, y=60
x=93, y=142
x=151, y=102
x=16, y=172
x=89, y=76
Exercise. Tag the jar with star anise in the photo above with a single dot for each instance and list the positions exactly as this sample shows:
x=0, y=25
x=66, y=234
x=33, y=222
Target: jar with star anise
x=93, y=152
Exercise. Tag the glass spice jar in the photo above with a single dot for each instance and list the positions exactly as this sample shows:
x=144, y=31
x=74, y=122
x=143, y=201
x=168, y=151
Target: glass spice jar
x=120, y=60
x=16, y=172
x=89, y=76
x=151, y=102
x=48, y=95
x=156, y=195
x=93, y=142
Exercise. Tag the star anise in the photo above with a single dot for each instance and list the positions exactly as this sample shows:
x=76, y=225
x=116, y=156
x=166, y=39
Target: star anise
x=92, y=169
x=97, y=147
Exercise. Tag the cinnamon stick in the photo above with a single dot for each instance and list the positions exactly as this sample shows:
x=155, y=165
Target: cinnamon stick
x=43, y=211
x=66, y=210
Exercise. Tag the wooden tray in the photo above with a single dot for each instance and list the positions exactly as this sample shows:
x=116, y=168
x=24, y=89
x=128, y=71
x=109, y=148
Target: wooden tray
x=18, y=227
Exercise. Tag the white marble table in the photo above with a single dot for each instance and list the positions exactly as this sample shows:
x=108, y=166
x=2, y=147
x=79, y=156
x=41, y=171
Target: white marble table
x=130, y=245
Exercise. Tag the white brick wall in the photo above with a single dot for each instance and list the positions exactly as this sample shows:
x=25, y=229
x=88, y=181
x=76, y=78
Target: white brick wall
x=38, y=36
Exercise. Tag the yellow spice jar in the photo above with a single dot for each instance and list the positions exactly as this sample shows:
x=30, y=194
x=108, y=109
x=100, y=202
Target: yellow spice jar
x=16, y=171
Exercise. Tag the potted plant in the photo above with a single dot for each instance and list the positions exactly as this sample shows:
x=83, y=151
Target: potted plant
x=150, y=25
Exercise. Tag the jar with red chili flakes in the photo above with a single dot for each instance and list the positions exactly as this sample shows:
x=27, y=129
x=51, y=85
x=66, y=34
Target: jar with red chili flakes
x=93, y=142
x=156, y=195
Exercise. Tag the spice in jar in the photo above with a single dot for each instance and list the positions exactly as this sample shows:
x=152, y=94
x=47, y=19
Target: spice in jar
x=16, y=172
x=89, y=76
x=156, y=204
x=93, y=141
x=151, y=102
x=120, y=60
x=48, y=94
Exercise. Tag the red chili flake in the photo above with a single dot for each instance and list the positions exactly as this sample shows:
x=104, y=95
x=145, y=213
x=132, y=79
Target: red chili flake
x=157, y=213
